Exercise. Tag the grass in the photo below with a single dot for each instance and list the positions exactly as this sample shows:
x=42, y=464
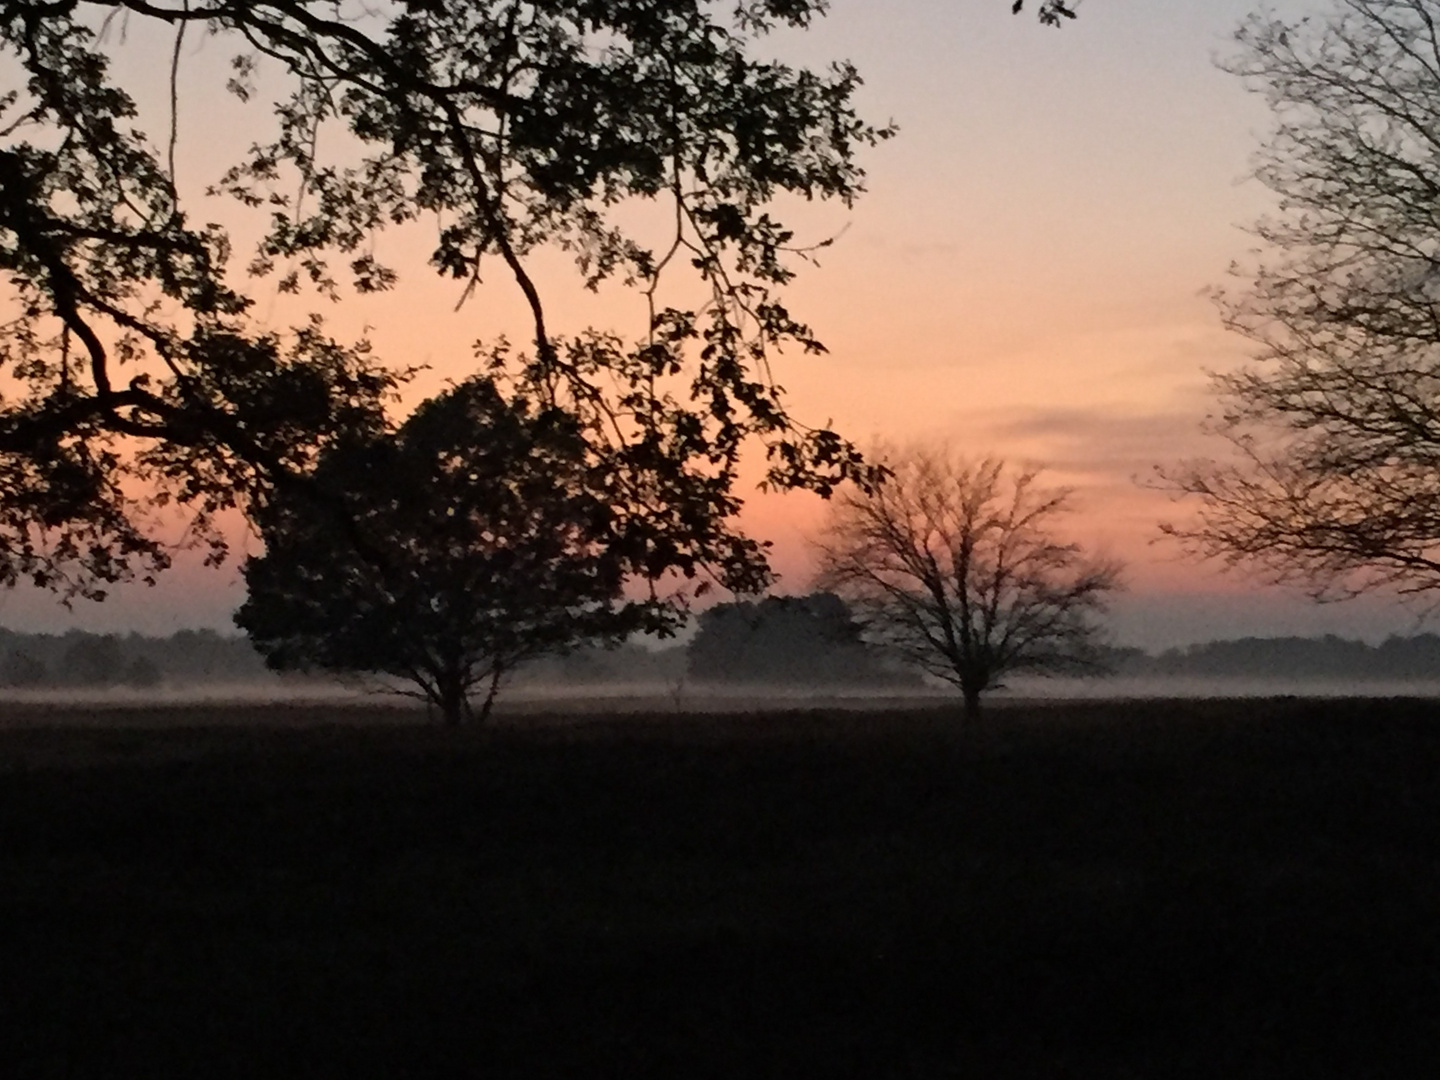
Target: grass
x=1159, y=889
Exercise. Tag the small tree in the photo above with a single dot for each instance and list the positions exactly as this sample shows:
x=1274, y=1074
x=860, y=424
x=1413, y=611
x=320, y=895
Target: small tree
x=476, y=542
x=21, y=670
x=953, y=565
x=142, y=673
x=811, y=640
x=93, y=660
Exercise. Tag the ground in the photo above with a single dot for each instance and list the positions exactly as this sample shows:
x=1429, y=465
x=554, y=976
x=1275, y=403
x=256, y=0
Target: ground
x=1159, y=889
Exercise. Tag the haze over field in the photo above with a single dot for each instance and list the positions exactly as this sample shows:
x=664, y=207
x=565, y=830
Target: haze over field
x=727, y=667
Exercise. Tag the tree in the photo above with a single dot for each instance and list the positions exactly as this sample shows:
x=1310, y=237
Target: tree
x=1336, y=421
x=23, y=671
x=512, y=126
x=93, y=660
x=953, y=565
x=812, y=640
x=483, y=536
x=142, y=673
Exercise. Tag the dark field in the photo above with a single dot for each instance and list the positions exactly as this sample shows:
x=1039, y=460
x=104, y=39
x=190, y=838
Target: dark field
x=1162, y=889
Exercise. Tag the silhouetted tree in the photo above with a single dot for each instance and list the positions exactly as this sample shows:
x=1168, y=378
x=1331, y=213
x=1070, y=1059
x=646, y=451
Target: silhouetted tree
x=1328, y=657
x=810, y=640
x=93, y=660
x=23, y=671
x=1336, y=423
x=953, y=564
x=513, y=127
x=142, y=673
x=483, y=536
x=208, y=656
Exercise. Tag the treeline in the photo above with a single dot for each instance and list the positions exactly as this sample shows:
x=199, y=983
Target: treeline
x=1396, y=658
x=779, y=641
x=83, y=660
x=806, y=640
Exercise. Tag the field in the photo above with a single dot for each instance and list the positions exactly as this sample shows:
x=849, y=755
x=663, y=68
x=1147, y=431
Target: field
x=1155, y=889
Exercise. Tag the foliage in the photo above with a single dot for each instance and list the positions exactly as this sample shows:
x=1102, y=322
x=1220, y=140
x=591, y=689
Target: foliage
x=954, y=566
x=1050, y=11
x=479, y=535
x=90, y=661
x=1414, y=658
x=1337, y=419
x=511, y=127
x=811, y=640
x=142, y=673
x=94, y=661
x=186, y=656
x=22, y=670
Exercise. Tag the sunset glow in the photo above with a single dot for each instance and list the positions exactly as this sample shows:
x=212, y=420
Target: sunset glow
x=1024, y=278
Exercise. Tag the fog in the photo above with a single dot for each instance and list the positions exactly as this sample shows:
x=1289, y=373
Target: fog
x=320, y=701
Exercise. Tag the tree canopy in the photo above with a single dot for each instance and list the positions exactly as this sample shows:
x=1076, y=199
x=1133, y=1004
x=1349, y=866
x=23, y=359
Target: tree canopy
x=955, y=566
x=1336, y=421
x=480, y=535
x=802, y=640
x=132, y=333
x=138, y=374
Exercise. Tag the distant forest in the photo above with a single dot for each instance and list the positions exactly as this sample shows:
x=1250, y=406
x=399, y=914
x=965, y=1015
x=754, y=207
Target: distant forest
x=779, y=641
x=98, y=661
x=1329, y=657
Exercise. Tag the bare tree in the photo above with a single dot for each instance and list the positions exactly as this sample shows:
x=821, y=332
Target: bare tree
x=953, y=564
x=1336, y=480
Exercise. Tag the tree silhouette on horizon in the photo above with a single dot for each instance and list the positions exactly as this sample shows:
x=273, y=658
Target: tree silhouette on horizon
x=954, y=565
x=486, y=539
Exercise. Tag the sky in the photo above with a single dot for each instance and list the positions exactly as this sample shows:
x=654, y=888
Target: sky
x=1025, y=277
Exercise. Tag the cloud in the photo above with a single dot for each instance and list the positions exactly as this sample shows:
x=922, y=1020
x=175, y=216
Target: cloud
x=1105, y=445
x=879, y=241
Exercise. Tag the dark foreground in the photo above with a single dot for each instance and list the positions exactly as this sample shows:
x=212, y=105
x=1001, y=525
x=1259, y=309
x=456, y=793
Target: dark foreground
x=1239, y=889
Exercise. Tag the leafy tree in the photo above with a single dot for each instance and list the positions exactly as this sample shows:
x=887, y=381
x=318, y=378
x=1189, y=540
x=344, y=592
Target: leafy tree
x=93, y=660
x=142, y=673
x=206, y=656
x=953, y=564
x=784, y=639
x=483, y=535
x=1336, y=422
x=512, y=126
x=22, y=670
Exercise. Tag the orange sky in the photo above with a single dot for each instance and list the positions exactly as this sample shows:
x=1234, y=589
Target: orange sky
x=1023, y=278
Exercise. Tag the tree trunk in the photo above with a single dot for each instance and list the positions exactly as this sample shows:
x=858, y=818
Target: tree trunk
x=454, y=707
x=972, y=703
